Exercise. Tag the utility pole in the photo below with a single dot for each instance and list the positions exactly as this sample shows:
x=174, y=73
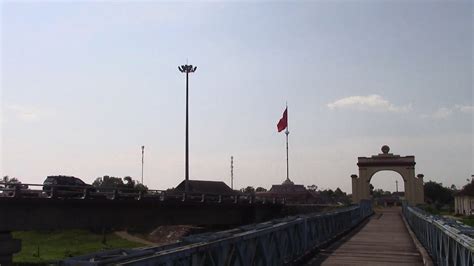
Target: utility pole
x=232, y=172
x=287, y=165
x=396, y=184
x=287, y=132
x=143, y=156
x=187, y=69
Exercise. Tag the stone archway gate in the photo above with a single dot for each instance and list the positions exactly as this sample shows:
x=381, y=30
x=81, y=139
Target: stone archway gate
x=404, y=165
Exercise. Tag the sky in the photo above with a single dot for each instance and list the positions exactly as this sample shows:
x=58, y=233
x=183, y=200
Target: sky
x=85, y=84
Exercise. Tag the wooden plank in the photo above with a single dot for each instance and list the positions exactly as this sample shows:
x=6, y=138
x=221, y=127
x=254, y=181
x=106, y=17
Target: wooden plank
x=384, y=240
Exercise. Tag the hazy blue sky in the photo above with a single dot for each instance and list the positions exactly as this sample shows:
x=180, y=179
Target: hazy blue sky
x=85, y=84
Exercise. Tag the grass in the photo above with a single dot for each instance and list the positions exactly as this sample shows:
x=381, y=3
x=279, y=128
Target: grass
x=435, y=211
x=468, y=220
x=56, y=245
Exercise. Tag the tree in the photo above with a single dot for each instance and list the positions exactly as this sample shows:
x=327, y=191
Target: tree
x=312, y=188
x=4, y=180
x=338, y=192
x=327, y=196
x=9, y=181
x=328, y=193
x=468, y=189
x=437, y=194
x=260, y=189
x=248, y=190
x=141, y=187
x=13, y=182
x=129, y=182
x=377, y=193
x=108, y=183
x=371, y=189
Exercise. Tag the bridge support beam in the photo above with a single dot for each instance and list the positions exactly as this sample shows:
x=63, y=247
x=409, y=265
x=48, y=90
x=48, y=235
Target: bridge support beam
x=8, y=247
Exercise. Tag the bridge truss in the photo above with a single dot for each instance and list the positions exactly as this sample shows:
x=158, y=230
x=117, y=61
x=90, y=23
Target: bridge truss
x=276, y=242
x=448, y=242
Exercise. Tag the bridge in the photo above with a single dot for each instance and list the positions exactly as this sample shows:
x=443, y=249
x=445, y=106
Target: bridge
x=264, y=233
x=346, y=236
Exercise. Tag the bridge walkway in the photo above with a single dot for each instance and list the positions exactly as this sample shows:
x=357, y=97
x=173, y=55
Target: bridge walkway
x=384, y=240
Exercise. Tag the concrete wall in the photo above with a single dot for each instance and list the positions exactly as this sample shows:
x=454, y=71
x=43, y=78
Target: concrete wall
x=41, y=213
x=464, y=205
x=18, y=214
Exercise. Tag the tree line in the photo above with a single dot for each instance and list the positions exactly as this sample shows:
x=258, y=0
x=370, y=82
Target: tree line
x=106, y=183
x=110, y=182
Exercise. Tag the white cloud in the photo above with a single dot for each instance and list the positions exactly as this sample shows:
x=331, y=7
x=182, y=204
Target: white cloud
x=27, y=113
x=442, y=113
x=465, y=108
x=446, y=112
x=374, y=102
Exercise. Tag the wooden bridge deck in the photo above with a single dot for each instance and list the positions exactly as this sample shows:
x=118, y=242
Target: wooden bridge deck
x=384, y=240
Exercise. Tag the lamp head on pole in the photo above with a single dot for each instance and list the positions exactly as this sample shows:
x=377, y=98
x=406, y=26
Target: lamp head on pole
x=187, y=68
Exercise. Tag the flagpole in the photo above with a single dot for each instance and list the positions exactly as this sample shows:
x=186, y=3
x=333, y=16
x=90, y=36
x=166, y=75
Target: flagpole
x=287, y=132
x=143, y=151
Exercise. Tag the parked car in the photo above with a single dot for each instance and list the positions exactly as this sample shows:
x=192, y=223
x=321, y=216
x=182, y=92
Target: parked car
x=66, y=184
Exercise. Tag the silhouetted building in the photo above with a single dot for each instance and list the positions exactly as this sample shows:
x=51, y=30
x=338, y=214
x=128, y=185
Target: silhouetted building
x=206, y=187
x=387, y=200
x=290, y=192
x=400, y=195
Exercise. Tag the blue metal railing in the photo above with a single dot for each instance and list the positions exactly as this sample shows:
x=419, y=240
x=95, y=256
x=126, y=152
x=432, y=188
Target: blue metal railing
x=276, y=242
x=448, y=242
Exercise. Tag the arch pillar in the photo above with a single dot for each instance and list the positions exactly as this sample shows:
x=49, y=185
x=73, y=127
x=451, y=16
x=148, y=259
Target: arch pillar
x=355, y=188
x=420, y=191
x=364, y=185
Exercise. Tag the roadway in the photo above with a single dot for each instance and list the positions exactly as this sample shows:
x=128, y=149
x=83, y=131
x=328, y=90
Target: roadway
x=383, y=240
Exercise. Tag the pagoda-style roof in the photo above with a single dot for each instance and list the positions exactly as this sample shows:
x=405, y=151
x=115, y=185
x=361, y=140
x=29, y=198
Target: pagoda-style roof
x=206, y=187
x=288, y=186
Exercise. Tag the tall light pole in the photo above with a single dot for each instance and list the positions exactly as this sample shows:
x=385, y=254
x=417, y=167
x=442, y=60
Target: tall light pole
x=143, y=155
x=232, y=172
x=187, y=69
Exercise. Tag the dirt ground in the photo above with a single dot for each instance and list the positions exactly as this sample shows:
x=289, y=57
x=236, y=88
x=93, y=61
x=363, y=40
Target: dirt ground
x=162, y=235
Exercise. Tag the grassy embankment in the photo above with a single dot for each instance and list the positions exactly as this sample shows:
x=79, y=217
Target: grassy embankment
x=45, y=247
x=468, y=220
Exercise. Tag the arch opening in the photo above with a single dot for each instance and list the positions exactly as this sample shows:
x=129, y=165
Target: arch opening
x=387, y=188
x=387, y=173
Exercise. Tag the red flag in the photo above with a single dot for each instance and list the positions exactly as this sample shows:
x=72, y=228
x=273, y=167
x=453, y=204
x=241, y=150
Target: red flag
x=283, y=123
